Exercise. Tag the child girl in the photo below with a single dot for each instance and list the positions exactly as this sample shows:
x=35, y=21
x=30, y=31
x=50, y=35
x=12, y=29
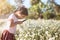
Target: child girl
x=8, y=33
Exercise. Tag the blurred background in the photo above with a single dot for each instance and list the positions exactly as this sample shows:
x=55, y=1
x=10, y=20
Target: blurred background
x=43, y=21
x=46, y=9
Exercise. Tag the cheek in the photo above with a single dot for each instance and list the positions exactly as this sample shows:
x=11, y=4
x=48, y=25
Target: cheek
x=21, y=17
x=18, y=16
x=24, y=16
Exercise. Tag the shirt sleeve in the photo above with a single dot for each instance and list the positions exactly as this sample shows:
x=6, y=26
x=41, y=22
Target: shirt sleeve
x=10, y=17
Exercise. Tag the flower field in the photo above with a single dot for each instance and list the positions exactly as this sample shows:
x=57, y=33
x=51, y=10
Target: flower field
x=39, y=29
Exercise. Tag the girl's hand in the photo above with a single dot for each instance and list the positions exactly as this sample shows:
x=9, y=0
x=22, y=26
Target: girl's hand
x=18, y=22
x=23, y=20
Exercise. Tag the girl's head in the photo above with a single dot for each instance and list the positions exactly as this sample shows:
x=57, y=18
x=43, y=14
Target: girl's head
x=21, y=12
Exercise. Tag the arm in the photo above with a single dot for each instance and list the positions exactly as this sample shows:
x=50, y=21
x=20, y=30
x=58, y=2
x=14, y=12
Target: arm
x=11, y=23
x=19, y=22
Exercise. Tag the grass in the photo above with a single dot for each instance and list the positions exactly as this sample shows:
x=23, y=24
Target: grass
x=39, y=29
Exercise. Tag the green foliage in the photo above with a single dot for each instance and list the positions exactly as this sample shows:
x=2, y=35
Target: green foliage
x=34, y=2
x=34, y=8
x=34, y=11
x=57, y=17
x=48, y=15
x=48, y=10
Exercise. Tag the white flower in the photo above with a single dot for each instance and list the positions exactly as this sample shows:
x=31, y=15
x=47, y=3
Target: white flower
x=46, y=32
x=53, y=38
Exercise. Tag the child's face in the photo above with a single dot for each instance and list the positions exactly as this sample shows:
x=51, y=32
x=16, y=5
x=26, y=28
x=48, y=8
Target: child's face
x=19, y=15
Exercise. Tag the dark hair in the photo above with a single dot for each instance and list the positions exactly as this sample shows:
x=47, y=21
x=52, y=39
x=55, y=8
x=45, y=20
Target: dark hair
x=23, y=10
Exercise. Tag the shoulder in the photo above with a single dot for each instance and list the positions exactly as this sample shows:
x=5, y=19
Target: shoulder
x=11, y=16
